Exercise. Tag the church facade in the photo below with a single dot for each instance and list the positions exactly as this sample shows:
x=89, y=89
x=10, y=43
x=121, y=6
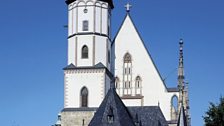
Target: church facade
x=106, y=75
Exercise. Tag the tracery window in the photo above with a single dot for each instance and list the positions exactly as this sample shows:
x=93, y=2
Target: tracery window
x=84, y=97
x=127, y=74
x=85, y=52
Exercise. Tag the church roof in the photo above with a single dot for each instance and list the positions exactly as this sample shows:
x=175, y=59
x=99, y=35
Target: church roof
x=72, y=66
x=97, y=66
x=110, y=2
x=112, y=106
x=126, y=116
x=148, y=115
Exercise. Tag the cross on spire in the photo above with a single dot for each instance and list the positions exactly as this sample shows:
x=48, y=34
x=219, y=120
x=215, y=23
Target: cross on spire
x=128, y=7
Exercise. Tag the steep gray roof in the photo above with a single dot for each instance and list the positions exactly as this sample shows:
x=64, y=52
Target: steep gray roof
x=148, y=115
x=97, y=66
x=126, y=116
x=112, y=105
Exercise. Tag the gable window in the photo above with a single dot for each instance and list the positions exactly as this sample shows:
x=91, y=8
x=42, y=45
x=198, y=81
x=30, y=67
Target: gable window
x=85, y=25
x=127, y=74
x=138, y=85
x=84, y=52
x=84, y=97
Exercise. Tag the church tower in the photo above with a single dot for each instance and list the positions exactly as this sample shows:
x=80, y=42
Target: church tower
x=87, y=76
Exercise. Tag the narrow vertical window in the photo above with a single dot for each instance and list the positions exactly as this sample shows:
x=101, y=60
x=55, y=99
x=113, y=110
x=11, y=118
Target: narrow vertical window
x=84, y=52
x=85, y=25
x=117, y=81
x=84, y=97
x=108, y=56
x=174, y=107
x=127, y=74
x=138, y=85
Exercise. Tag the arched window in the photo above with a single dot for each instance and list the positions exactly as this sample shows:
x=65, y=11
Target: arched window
x=117, y=85
x=84, y=97
x=138, y=85
x=117, y=81
x=127, y=74
x=127, y=58
x=138, y=82
x=174, y=107
x=84, y=52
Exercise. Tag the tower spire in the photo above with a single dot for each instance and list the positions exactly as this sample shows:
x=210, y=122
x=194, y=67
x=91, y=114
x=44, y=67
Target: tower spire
x=181, y=71
x=181, y=64
x=183, y=87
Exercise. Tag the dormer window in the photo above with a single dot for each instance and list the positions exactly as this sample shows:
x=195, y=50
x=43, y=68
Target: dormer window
x=110, y=116
x=85, y=25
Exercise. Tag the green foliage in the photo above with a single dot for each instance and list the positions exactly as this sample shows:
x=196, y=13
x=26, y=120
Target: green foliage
x=215, y=114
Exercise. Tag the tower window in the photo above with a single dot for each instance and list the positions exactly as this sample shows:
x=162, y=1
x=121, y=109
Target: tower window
x=84, y=97
x=85, y=25
x=84, y=52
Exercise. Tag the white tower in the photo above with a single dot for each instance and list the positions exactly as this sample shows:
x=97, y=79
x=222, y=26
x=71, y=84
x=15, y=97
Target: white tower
x=87, y=76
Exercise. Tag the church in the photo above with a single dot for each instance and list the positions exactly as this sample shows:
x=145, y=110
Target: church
x=114, y=81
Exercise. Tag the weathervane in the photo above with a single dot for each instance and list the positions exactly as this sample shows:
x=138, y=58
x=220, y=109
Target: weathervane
x=128, y=7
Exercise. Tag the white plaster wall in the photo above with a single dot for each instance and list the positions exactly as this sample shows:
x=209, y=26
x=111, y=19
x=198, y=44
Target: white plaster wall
x=70, y=19
x=81, y=41
x=71, y=50
x=132, y=102
x=98, y=17
x=94, y=80
x=97, y=14
x=102, y=45
x=104, y=19
x=153, y=89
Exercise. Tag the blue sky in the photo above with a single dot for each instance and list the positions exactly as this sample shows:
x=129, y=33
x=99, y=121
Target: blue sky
x=33, y=51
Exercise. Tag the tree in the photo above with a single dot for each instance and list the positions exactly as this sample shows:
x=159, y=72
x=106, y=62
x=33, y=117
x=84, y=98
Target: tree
x=215, y=114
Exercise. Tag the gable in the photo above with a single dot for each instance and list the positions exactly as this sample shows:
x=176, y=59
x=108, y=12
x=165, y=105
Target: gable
x=128, y=40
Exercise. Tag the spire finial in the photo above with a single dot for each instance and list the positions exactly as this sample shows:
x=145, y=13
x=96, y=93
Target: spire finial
x=181, y=62
x=128, y=7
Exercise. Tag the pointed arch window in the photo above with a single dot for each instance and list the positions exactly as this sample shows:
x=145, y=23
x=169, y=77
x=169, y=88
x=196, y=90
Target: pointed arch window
x=84, y=97
x=174, y=107
x=117, y=85
x=138, y=85
x=117, y=82
x=85, y=52
x=127, y=74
